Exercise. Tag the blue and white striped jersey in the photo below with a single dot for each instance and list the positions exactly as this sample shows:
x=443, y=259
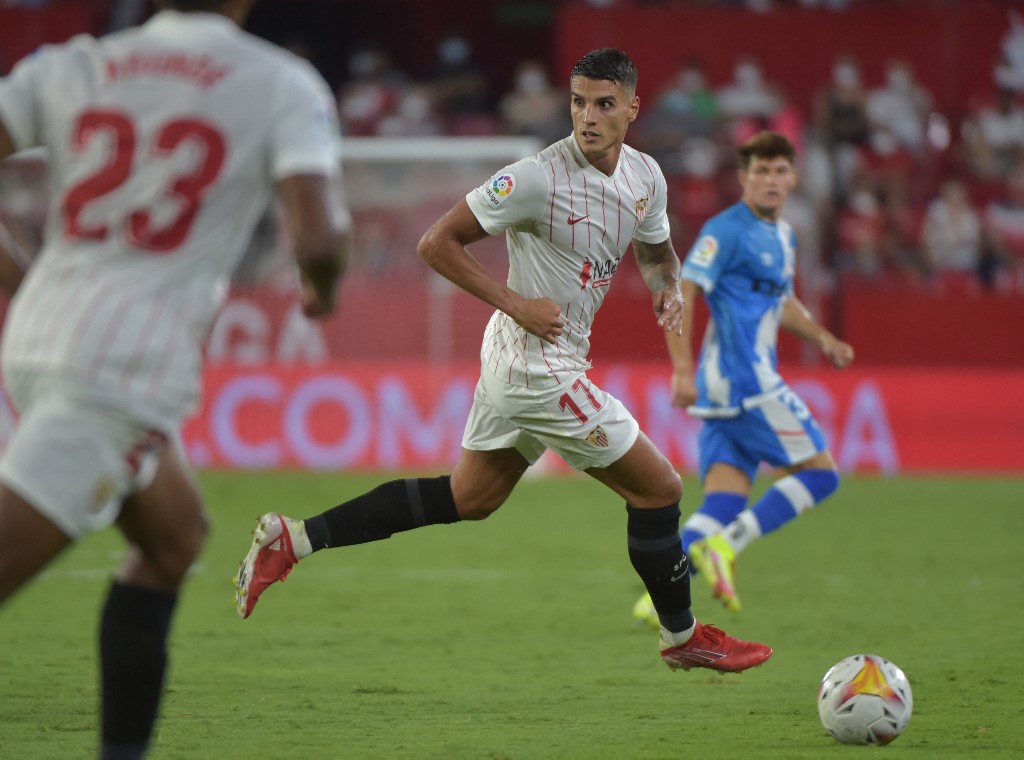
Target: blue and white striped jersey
x=745, y=266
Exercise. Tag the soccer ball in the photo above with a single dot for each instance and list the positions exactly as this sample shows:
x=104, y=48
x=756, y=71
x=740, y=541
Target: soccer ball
x=865, y=699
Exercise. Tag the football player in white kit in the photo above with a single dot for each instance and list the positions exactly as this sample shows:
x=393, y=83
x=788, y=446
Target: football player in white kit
x=165, y=144
x=568, y=214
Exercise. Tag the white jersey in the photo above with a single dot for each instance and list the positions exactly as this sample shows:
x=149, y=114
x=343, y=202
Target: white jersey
x=567, y=226
x=164, y=142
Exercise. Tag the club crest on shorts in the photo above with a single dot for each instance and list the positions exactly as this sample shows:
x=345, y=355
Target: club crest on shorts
x=102, y=495
x=597, y=437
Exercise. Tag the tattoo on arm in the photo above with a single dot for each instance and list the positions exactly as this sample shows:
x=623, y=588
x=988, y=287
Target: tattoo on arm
x=658, y=264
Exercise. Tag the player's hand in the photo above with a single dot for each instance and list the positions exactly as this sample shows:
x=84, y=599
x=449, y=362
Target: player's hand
x=315, y=303
x=541, y=317
x=837, y=352
x=684, y=389
x=668, y=308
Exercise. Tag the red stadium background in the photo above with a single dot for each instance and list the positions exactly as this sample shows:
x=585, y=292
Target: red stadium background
x=938, y=385
x=951, y=45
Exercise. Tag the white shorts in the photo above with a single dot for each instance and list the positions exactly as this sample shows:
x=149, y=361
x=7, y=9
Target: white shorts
x=73, y=459
x=577, y=420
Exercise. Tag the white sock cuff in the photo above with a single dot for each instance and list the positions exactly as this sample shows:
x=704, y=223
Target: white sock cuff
x=741, y=531
x=675, y=638
x=704, y=524
x=300, y=541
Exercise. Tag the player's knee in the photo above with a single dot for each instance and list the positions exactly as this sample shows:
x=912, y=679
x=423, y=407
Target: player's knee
x=176, y=564
x=677, y=487
x=169, y=562
x=657, y=490
x=195, y=538
x=669, y=488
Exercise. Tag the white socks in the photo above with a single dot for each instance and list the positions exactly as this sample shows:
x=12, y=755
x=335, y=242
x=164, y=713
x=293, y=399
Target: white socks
x=300, y=541
x=742, y=531
x=674, y=639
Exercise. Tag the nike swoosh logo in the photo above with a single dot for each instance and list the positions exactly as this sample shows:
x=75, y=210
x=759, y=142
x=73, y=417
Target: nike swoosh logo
x=700, y=655
x=577, y=220
x=679, y=577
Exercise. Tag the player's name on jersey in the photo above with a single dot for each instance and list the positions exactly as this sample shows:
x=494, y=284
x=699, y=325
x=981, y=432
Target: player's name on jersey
x=201, y=69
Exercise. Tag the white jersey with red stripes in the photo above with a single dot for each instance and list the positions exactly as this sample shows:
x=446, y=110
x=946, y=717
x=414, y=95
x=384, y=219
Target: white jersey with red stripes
x=164, y=144
x=567, y=226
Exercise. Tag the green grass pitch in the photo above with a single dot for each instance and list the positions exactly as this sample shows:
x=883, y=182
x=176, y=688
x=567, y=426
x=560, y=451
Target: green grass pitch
x=512, y=639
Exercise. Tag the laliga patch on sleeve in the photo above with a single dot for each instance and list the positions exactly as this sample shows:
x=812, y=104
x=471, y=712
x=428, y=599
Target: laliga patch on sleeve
x=500, y=188
x=704, y=251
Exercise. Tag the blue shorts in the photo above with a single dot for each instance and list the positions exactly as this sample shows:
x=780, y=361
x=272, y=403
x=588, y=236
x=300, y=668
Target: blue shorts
x=779, y=430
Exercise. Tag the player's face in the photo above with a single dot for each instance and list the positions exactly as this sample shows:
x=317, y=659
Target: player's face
x=766, y=185
x=601, y=113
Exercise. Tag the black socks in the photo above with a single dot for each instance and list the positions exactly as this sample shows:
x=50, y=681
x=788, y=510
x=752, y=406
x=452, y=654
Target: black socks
x=133, y=657
x=389, y=508
x=654, y=545
x=657, y=556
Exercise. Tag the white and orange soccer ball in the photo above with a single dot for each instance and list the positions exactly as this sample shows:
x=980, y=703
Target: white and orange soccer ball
x=865, y=699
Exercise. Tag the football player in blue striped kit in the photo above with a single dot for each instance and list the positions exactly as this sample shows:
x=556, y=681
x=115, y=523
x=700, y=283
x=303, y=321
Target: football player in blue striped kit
x=743, y=262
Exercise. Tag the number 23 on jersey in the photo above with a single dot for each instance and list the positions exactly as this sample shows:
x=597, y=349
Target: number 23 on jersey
x=186, y=189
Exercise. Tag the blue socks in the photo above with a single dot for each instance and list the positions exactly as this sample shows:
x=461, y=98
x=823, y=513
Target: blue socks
x=723, y=512
x=793, y=495
x=718, y=510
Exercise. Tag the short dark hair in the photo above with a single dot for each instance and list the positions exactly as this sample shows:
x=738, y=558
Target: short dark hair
x=766, y=145
x=607, y=64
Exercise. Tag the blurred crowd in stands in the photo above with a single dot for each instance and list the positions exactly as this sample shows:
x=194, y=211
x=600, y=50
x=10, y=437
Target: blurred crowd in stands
x=893, y=192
